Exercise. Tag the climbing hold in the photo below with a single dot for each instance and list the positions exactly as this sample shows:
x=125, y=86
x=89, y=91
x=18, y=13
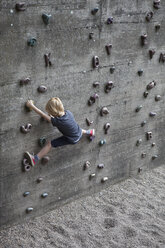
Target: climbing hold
x=151, y=53
x=100, y=166
x=106, y=127
x=144, y=39
x=26, y=165
x=145, y=94
x=47, y=59
x=40, y=179
x=25, y=81
x=86, y=165
x=44, y=195
x=149, y=16
x=143, y=155
x=96, y=62
x=92, y=99
x=138, y=108
x=138, y=142
x=104, y=179
x=108, y=48
x=154, y=157
x=104, y=111
x=157, y=27
x=139, y=170
x=45, y=160
x=94, y=11
x=42, y=141
x=20, y=6
x=109, y=86
x=28, y=210
x=152, y=114
x=153, y=144
x=140, y=72
x=92, y=176
x=151, y=85
x=112, y=69
x=157, y=98
x=149, y=135
x=156, y=4
x=32, y=42
x=26, y=129
x=91, y=35
x=162, y=57
x=42, y=89
x=110, y=20
x=96, y=84
x=26, y=194
x=102, y=142
x=89, y=122
x=143, y=123
x=46, y=18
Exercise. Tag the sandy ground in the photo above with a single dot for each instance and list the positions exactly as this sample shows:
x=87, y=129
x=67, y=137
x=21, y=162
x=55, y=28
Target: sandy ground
x=129, y=214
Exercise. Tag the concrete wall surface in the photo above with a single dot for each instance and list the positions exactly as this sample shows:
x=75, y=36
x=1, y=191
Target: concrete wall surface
x=71, y=77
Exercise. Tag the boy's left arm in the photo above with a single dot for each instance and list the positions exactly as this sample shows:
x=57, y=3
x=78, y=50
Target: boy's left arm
x=31, y=105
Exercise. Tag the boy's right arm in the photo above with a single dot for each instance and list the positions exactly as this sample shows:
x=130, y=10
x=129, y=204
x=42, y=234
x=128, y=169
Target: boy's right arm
x=31, y=105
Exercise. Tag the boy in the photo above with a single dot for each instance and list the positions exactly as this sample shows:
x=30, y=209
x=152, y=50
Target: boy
x=64, y=121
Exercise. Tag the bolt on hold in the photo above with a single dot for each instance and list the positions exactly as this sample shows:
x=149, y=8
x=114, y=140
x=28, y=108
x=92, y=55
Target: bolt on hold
x=108, y=48
x=92, y=176
x=106, y=127
x=92, y=99
x=96, y=62
x=102, y=142
x=139, y=170
x=26, y=165
x=154, y=157
x=151, y=85
x=32, y=42
x=42, y=141
x=47, y=59
x=112, y=69
x=110, y=20
x=89, y=123
x=149, y=135
x=91, y=36
x=138, y=108
x=151, y=53
x=140, y=72
x=157, y=27
x=157, y=98
x=156, y=4
x=104, y=179
x=104, y=111
x=45, y=160
x=26, y=194
x=100, y=166
x=20, y=6
x=86, y=165
x=26, y=129
x=138, y=142
x=40, y=179
x=109, y=85
x=149, y=16
x=143, y=155
x=152, y=114
x=94, y=11
x=145, y=94
x=28, y=210
x=162, y=57
x=96, y=84
x=42, y=89
x=143, y=123
x=46, y=18
x=144, y=39
x=24, y=81
x=44, y=195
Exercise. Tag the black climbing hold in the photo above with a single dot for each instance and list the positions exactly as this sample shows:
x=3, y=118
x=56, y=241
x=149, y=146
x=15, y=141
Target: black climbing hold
x=42, y=141
x=139, y=170
x=149, y=135
x=162, y=57
x=104, y=179
x=108, y=48
x=144, y=39
x=153, y=144
x=92, y=99
x=26, y=194
x=104, y=111
x=28, y=210
x=40, y=179
x=145, y=94
x=32, y=42
x=149, y=16
x=46, y=18
x=138, y=108
x=143, y=123
x=112, y=69
x=25, y=81
x=143, y=155
x=151, y=85
x=154, y=157
x=110, y=20
x=26, y=129
x=94, y=11
x=47, y=59
x=96, y=62
x=157, y=27
x=44, y=195
x=156, y=4
x=42, y=89
x=91, y=35
x=20, y=6
x=89, y=122
x=102, y=142
x=106, y=127
x=157, y=98
x=109, y=85
x=140, y=72
x=151, y=53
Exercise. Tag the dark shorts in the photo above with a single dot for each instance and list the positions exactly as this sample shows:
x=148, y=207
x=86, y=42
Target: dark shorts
x=61, y=141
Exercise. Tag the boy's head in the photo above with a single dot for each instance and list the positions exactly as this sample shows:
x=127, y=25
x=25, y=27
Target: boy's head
x=55, y=107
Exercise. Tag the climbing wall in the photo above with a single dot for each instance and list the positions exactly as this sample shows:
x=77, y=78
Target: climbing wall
x=105, y=61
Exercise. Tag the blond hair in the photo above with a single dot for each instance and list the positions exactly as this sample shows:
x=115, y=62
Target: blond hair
x=55, y=107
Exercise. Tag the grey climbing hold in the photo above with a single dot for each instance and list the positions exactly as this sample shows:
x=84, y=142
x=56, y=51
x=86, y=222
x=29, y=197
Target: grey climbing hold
x=139, y=170
x=89, y=123
x=25, y=81
x=32, y=42
x=47, y=59
x=143, y=123
x=96, y=84
x=26, y=129
x=151, y=53
x=109, y=85
x=44, y=195
x=143, y=155
x=42, y=89
x=138, y=108
x=144, y=39
x=156, y=4
x=145, y=94
x=86, y=165
x=157, y=98
x=46, y=18
x=26, y=194
x=94, y=11
x=28, y=210
x=112, y=69
x=106, y=127
x=92, y=99
x=140, y=72
x=151, y=85
x=138, y=142
x=154, y=157
x=162, y=57
x=104, y=111
x=149, y=16
x=104, y=179
x=153, y=144
x=157, y=27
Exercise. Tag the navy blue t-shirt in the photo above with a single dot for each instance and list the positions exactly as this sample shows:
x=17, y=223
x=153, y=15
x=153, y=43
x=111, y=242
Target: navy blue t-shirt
x=67, y=125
